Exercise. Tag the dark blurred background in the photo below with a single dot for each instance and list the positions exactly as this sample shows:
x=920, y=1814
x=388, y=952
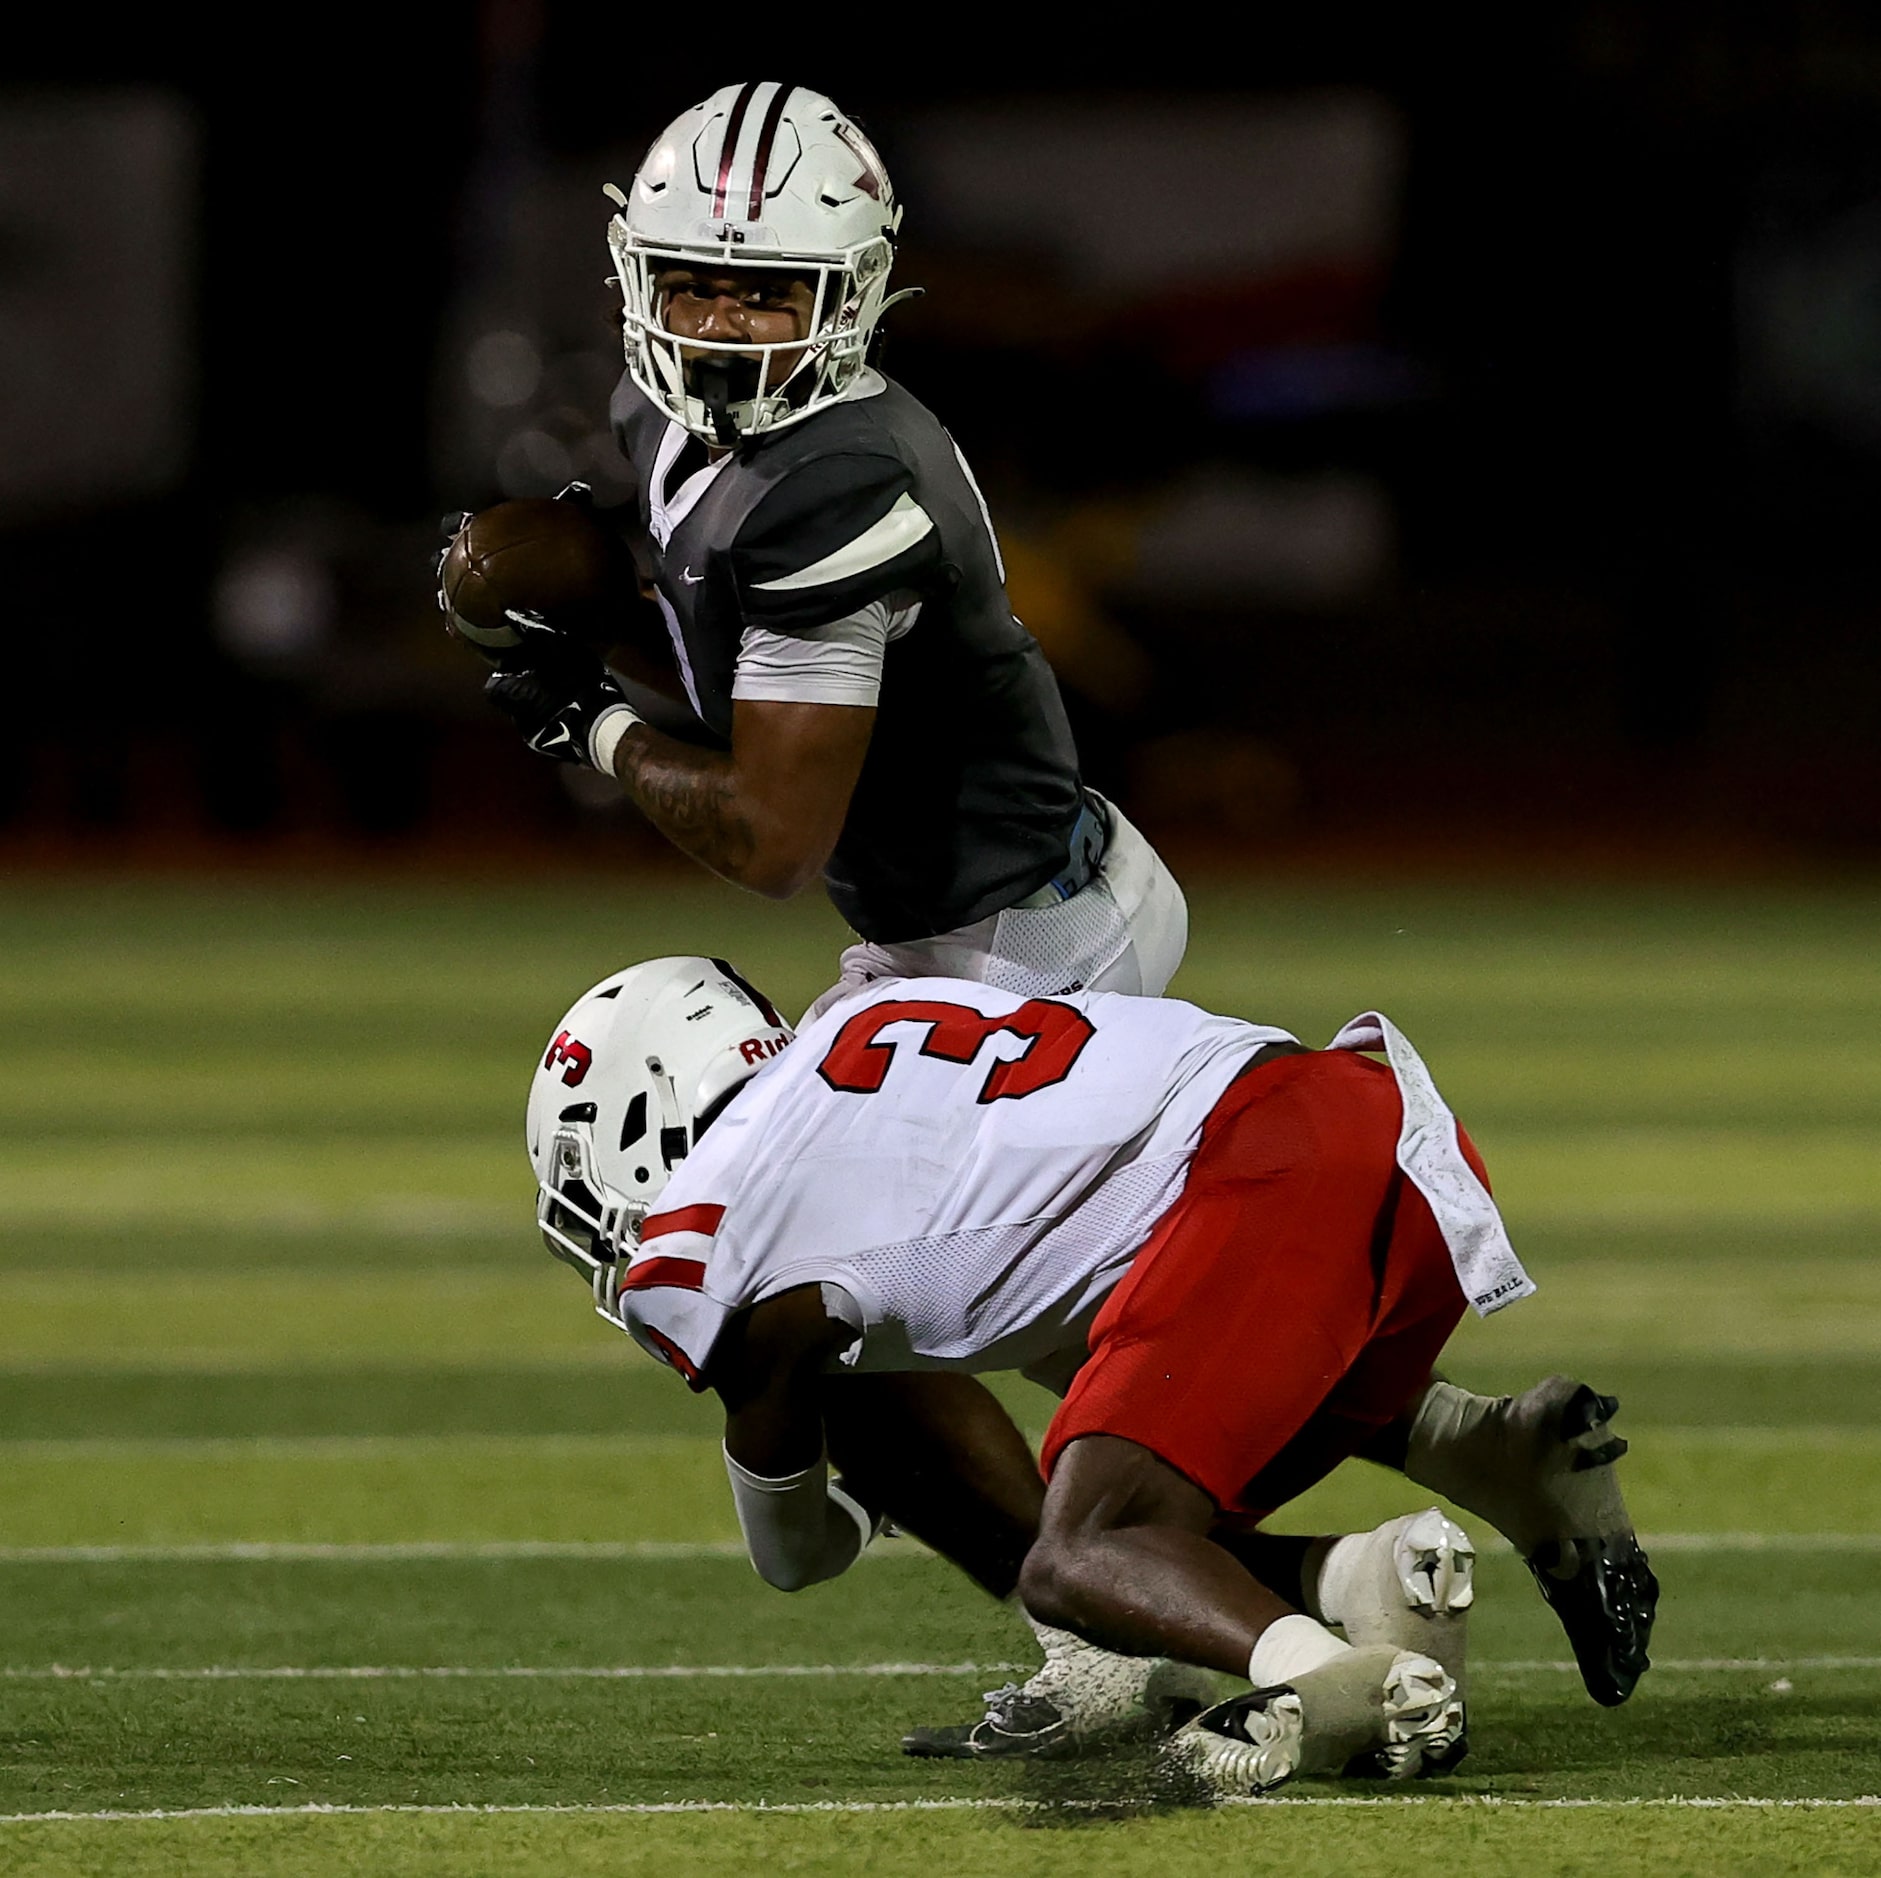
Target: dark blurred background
x=1405, y=441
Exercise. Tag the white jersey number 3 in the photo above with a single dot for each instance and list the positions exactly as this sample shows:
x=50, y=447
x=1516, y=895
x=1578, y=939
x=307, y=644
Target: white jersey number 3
x=858, y=1062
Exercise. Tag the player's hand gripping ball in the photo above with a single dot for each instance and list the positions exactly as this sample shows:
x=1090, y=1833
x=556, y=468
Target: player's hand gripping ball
x=531, y=565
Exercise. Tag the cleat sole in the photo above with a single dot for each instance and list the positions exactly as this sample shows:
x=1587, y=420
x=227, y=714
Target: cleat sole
x=1606, y=1596
x=1376, y=1713
x=1436, y=1566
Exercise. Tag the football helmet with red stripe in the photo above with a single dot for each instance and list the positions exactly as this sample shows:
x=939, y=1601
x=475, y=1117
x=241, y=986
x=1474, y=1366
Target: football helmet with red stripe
x=635, y=1072
x=760, y=177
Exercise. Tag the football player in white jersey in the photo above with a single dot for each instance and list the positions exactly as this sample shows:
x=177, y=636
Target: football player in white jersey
x=1235, y=1258
x=848, y=693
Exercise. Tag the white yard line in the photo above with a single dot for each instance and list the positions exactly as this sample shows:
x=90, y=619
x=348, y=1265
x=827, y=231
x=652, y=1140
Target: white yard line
x=1681, y=1665
x=1758, y=1436
x=1490, y=1802
x=1749, y=1542
x=472, y=1672
x=366, y=1552
x=70, y=1449
x=662, y=1672
x=293, y=1551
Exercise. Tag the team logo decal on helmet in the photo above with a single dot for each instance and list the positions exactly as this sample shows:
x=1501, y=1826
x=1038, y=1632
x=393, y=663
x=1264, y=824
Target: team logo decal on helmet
x=638, y=1069
x=759, y=176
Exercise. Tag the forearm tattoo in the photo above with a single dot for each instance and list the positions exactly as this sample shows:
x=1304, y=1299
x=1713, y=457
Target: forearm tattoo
x=691, y=796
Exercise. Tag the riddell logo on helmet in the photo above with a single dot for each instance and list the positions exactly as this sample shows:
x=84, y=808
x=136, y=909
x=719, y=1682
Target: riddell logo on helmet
x=757, y=1049
x=577, y=1056
x=871, y=181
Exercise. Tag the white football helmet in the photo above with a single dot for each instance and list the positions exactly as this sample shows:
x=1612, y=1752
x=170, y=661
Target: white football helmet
x=758, y=176
x=634, y=1074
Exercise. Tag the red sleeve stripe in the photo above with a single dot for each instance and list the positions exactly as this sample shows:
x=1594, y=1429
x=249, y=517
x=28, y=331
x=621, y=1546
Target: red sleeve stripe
x=685, y=1274
x=703, y=1219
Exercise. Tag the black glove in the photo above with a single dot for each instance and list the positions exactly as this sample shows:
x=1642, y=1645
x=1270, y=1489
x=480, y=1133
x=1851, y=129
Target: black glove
x=560, y=699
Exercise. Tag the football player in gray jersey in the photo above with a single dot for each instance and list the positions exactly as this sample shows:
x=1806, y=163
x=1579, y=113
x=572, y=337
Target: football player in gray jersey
x=848, y=694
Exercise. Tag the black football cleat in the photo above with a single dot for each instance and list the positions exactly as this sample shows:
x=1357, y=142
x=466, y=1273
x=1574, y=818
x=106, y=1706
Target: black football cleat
x=1605, y=1594
x=1540, y=1467
x=1014, y=1725
x=1600, y=1587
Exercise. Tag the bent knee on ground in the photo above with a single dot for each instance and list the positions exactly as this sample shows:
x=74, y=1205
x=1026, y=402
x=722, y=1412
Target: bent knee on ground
x=1101, y=1486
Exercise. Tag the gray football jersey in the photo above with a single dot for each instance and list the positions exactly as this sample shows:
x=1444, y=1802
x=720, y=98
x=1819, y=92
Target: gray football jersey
x=970, y=790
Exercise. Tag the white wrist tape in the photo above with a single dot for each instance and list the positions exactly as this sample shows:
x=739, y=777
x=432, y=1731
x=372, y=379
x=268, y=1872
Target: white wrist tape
x=799, y=1530
x=609, y=728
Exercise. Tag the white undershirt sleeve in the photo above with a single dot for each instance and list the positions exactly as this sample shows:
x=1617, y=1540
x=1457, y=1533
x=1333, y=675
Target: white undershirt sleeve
x=840, y=663
x=799, y=1528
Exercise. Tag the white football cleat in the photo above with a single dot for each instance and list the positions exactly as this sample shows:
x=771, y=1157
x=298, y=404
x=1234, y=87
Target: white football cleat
x=1409, y=1583
x=1081, y=1697
x=1374, y=1711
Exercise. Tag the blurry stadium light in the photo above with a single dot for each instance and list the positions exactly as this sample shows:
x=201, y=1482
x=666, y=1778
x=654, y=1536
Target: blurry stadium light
x=275, y=606
x=504, y=369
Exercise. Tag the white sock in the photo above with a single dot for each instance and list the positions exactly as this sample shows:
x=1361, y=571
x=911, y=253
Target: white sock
x=1346, y=1570
x=1291, y=1646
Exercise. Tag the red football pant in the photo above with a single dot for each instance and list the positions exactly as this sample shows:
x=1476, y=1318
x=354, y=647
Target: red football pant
x=1288, y=1305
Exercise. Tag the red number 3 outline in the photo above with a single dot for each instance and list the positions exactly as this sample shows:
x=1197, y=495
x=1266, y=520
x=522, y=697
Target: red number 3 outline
x=857, y=1063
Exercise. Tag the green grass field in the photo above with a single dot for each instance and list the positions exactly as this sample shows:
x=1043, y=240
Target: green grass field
x=337, y=1534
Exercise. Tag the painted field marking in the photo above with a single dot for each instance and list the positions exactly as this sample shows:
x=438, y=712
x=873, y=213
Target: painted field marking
x=74, y=1448
x=1747, y=1542
x=1488, y=1802
x=1682, y=1665
x=366, y=1552
x=295, y=1551
x=661, y=1672
x=546, y=1672
x=1757, y=1438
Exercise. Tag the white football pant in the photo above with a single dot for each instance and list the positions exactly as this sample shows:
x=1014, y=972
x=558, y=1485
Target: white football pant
x=1125, y=931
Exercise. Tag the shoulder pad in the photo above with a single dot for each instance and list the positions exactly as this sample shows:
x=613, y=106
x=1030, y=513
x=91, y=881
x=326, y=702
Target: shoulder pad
x=834, y=535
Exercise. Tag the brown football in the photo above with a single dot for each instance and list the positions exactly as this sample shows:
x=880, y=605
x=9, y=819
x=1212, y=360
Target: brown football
x=536, y=554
